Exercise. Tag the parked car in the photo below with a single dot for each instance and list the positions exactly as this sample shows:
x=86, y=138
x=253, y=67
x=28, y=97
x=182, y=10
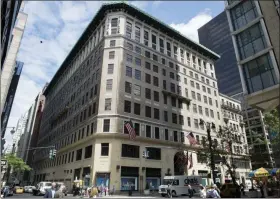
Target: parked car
x=41, y=187
x=28, y=189
x=19, y=190
x=10, y=191
x=228, y=190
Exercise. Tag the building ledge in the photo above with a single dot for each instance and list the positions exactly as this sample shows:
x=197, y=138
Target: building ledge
x=184, y=99
x=264, y=100
x=230, y=108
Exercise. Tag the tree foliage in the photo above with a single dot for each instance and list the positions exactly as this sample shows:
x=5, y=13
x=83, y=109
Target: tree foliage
x=271, y=119
x=16, y=163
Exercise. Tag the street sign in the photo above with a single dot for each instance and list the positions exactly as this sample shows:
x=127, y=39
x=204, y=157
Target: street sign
x=3, y=162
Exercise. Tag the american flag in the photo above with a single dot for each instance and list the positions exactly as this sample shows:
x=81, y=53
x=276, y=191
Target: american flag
x=191, y=162
x=227, y=147
x=191, y=138
x=130, y=129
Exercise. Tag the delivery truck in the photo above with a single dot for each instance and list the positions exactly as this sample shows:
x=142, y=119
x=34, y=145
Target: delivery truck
x=178, y=185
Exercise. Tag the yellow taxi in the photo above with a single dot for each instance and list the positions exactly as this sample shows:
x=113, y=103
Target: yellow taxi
x=19, y=190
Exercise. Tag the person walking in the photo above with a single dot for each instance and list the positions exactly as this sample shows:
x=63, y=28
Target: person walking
x=202, y=192
x=212, y=193
x=190, y=190
x=50, y=193
x=169, y=194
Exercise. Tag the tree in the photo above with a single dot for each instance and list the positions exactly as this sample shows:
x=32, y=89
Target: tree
x=16, y=163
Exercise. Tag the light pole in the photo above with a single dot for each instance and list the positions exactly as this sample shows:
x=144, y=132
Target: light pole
x=212, y=163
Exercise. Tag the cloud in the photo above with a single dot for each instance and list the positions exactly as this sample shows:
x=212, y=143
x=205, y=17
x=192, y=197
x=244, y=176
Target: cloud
x=190, y=28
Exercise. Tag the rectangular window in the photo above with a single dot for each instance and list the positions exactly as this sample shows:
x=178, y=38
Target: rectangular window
x=161, y=45
x=128, y=29
x=112, y=43
x=156, y=96
x=108, y=102
x=138, y=50
x=207, y=112
x=189, y=121
x=148, y=93
x=200, y=110
x=137, y=90
x=79, y=153
x=166, y=134
x=198, y=97
x=106, y=125
x=137, y=34
x=127, y=106
x=210, y=101
x=104, y=149
x=148, y=78
x=128, y=87
x=130, y=151
x=148, y=131
x=147, y=54
x=155, y=57
x=205, y=99
x=211, y=113
x=194, y=108
x=175, y=136
x=168, y=47
x=146, y=38
x=165, y=116
x=88, y=151
x=137, y=74
x=164, y=84
x=196, y=123
x=181, y=119
x=165, y=99
x=148, y=111
x=109, y=84
x=209, y=90
x=129, y=46
x=129, y=58
x=137, y=128
x=156, y=113
x=137, y=61
x=110, y=69
x=174, y=118
x=137, y=109
x=193, y=95
x=156, y=133
x=128, y=71
x=154, y=42
x=111, y=54
x=173, y=101
x=155, y=80
x=172, y=87
x=163, y=72
x=148, y=65
x=155, y=68
x=192, y=83
x=163, y=61
x=171, y=75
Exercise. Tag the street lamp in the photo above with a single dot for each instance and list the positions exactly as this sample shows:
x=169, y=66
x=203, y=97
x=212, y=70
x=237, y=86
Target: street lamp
x=208, y=128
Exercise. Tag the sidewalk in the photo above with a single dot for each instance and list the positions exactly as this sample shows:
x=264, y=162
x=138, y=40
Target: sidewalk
x=134, y=195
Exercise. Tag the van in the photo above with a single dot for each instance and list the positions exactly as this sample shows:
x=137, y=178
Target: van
x=41, y=188
x=179, y=185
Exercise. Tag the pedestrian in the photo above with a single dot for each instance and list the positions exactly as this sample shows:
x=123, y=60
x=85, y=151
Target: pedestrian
x=169, y=194
x=242, y=187
x=50, y=193
x=106, y=191
x=202, y=191
x=190, y=190
x=212, y=193
x=261, y=188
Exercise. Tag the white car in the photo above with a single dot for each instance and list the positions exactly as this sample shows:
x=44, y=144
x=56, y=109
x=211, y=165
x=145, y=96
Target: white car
x=41, y=188
x=28, y=189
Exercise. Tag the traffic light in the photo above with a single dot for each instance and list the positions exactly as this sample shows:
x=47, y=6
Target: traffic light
x=54, y=152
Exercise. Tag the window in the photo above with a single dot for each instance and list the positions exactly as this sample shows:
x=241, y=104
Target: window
x=106, y=125
x=196, y=123
x=148, y=65
x=129, y=58
x=110, y=69
x=217, y=104
x=161, y=45
x=148, y=93
x=108, y=104
x=207, y=112
x=165, y=116
x=128, y=87
x=166, y=135
x=114, y=26
x=147, y=54
x=207, y=81
x=171, y=75
x=174, y=118
x=175, y=136
x=156, y=96
x=154, y=42
x=200, y=110
x=130, y=151
x=192, y=83
x=189, y=121
x=197, y=86
x=168, y=47
x=155, y=80
x=210, y=101
x=148, y=111
x=171, y=65
x=163, y=72
x=181, y=119
x=137, y=109
x=104, y=149
x=259, y=74
x=137, y=33
x=155, y=57
x=218, y=115
x=164, y=84
x=148, y=131
x=205, y=99
x=211, y=113
x=137, y=74
x=79, y=153
x=193, y=95
x=127, y=106
x=109, y=84
x=146, y=37
x=148, y=78
x=209, y=90
x=198, y=97
x=129, y=46
x=112, y=43
x=138, y=50
x=243, y=13
x=165, y=99
x=137, y=90
x=111, y=54
x=156, y=113
x=155, y=68
x=137, y=61
x=163, y=61
x=137, y=128
x=154, y=153
x=194, y=108
x=128, y=29
x=196, y=76
x=88, y=151
x=173, y=101
x=128, y=71
x=191, y=73
x=186, y=92
x=156, y=133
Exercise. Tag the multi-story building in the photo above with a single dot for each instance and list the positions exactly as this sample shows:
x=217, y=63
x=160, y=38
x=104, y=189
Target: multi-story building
x=127, y=66
x=10, y=96
x=9, y=12
x=216, y=36
x=19, y=130
x=10, y=61
x=254, y=27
